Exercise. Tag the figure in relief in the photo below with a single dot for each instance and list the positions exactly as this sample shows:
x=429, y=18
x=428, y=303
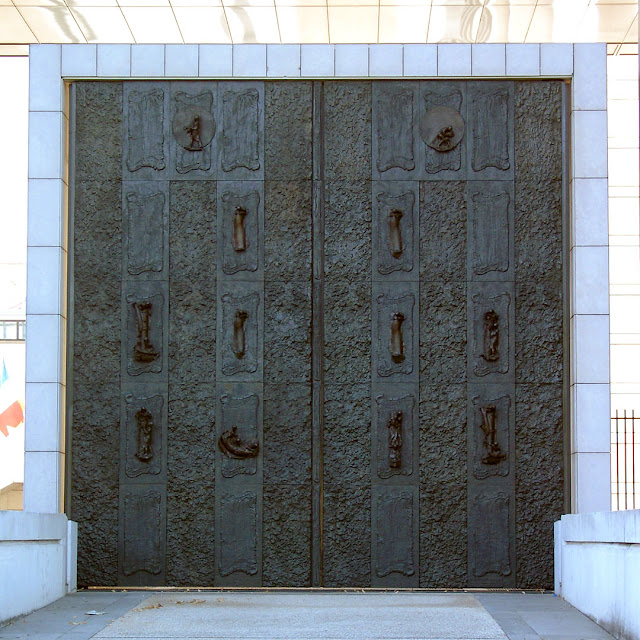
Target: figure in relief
x=145, y=433
x=395, y=233
x=144, y=350
x=444, y=139
x=397, y=342
x=494, y=454
x=239, y=232
x=491, y=336
x=194, y=133
x=238, y=333
x=232, y=446
x=395, y=440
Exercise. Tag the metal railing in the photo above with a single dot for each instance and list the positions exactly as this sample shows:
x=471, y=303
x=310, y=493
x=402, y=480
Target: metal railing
x=12, y=330
x=625, y=461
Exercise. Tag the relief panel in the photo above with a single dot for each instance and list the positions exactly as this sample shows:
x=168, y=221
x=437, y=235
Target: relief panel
x=491, y=425
x=241, y=108
x=394, y=421
x=239, y=435
x=145, y=320
x=193, y=129
x=145, y=141
x=491, y=340
x=145, y=225
x=442, y=130
x=394, y=536
x=490, y=231
x=490, y=538
x=145, y=433
x=395, y=339
x=395, y=206
x=241, y=345
x=393, y=129
x=491, y=126
x=239, y=533
x=240, y=228
x=142, y=531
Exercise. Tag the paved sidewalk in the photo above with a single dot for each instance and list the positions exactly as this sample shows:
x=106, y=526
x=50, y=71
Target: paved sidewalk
x=225, y=615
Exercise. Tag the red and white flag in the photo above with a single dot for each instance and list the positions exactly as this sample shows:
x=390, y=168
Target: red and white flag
x=11, y=403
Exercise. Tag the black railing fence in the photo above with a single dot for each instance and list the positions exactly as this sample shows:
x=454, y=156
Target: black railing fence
x=625, y=461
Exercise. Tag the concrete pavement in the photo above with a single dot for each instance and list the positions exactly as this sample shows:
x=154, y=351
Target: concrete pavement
x=312, y=615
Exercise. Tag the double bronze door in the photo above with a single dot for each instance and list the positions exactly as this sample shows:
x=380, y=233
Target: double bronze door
x=316, y=287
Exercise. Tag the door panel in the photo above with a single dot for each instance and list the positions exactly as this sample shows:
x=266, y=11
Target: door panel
x=322, y=330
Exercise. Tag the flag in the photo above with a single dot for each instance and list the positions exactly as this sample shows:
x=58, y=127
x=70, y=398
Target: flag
x=11, y=406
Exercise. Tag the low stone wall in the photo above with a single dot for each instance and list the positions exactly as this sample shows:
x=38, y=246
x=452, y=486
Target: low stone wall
x=37, y=560
x=597, y=568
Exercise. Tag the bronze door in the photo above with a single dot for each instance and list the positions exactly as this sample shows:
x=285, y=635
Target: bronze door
x=317, y=333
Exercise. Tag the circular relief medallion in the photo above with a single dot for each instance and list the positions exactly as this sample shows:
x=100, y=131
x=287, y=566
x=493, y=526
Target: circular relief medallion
x=193, y=128
x=442, y=128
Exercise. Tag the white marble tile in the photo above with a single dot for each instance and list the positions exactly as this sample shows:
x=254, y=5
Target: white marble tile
x=590, y=219
x=283, y=60
x=556, y=59
x=589, y=86
x=44, y=216
x=216, y=61
x=454, y=59
x=317, y=61
x=147, y=60
x=181, y=60
x=46, y=137
x=590, y=334
x=79, y=60
x=589, y=136
x=44, y=403
x=44, y=348
x=43, y=472
x=523, y=60
x=45, y=86
x=590, y=280
x=250, y=60
x=352, y=60
x=591, y=428
x=114, y=60
x=591, y=482
x=420, y=60
x=488, y=60
x=45, y=266
x=385, y=60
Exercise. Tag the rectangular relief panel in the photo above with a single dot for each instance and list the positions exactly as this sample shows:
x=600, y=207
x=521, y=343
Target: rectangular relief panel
x=142, y=535
x=490, y=140
x=239, y=536
x=144, y=330
x=145, y=223
x=395, y=332
x=193, y=108
x=443, y=130
x=144, y=437
x=491, y=420
x=241, y=142
x=394, y=130
x=146, y=130
x=491, y=540
x=491, y=332
x=240, y=331
x=395, y=230
x=490, y=231
x=395, y=433
x=241, y=229
x=394, y=536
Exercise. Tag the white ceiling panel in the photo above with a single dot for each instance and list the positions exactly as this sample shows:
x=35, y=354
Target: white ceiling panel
x=353, y=24
x=403, y=24
x=152, y=24
x=92, y=3
x=196, y=3
x=253, y=24
x=606, y=23
x=203, y=24
x=454, y=23
x=502, y=23
x=102, y=24
x=40, y=3
x=557, y=23
x=307, y=25
x=632, y=34
x=144, y=3
x=13, y=28
x=52, y=24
